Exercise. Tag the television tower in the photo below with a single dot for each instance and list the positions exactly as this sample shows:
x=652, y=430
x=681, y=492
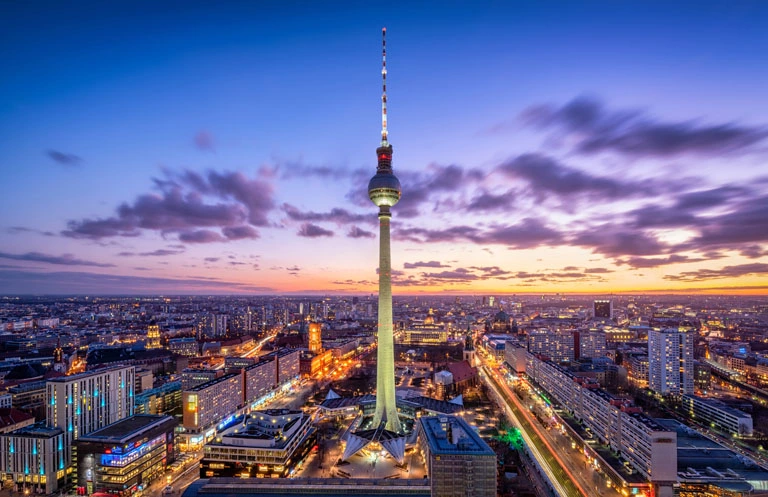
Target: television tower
x=384, y=192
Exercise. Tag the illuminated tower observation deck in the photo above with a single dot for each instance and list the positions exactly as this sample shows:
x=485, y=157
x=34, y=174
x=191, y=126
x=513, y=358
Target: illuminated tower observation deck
x=384, y=192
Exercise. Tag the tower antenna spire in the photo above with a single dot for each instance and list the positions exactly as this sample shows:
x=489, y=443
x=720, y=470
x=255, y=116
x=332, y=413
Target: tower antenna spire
x=384, y=86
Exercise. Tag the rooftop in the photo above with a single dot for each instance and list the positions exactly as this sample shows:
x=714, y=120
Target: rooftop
x=722, y=406
x=10, y=416
x=452, y=435
x=213, y=382
x=700, y=459
x=87, y=374
x=352, y=487
x=124, y=430
x=37, y=430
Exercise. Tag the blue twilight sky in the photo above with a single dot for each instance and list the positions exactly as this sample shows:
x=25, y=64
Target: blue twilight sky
x=207, y=147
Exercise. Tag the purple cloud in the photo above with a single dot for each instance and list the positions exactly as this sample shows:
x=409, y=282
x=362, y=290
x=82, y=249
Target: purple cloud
x=239, y=232
x=64, y=260
x=430, y=264
x=336, y=215
x=200, y=236
x=725, y=272
x=593, y=128
x=181, y=206
x=486, y=201
x=355, y=232
x=309, y=230
x=617, y=242
x=63, y=158
x=546, y=175
x=15, y=282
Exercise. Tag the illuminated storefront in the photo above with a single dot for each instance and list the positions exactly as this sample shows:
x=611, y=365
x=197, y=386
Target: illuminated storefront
x=125, y=457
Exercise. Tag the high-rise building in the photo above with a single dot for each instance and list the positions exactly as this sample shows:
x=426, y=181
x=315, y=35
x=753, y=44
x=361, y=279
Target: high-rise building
x=220, y=325
x=555, y=345
x=384, y=191
x=458, y=461
x=604, y=309
x=591, y=344
x=670, y=361
x=83, y=403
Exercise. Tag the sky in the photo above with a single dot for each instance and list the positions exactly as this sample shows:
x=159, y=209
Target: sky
x=225, y=147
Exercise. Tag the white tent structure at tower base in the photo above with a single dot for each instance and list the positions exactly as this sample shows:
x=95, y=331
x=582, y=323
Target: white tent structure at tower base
x=392, y=442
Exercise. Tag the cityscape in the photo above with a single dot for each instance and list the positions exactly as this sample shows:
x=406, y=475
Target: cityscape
x=552, y=281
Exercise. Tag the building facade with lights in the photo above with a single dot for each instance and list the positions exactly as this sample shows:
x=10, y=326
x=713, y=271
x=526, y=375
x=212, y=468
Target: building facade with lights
x=557, y=346
x=34, y=459
x=603, y=309
x=205, y=406
x=184, y=346
x=648, y=446
x=266, y=444
x=83, y=403
x=125, y=457
x=165, y=399
x=459, y=462
x=670, y=361
x=153, y=337
x=719, y=415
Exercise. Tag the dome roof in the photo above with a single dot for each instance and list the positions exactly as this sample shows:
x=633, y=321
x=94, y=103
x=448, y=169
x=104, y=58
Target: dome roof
x=501, y=316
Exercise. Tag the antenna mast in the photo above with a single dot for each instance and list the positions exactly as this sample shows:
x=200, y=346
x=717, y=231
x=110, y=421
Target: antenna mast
x=384, y=87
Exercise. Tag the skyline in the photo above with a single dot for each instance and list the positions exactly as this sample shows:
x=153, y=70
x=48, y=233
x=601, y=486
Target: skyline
x=578, y=149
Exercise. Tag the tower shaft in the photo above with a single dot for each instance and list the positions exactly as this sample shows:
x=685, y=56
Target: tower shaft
x=386, y=402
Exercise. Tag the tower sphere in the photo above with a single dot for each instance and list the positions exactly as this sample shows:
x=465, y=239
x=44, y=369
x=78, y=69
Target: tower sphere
x=384, y=189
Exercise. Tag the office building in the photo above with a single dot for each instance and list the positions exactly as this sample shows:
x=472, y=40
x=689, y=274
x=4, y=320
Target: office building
x=29, y=396
x=670, y=361
x=637, y=370
x=459, y=462
x=192, y=377
x=260, y=379
x=591, y=344
x=165, y=399
x=125, y=457
x=184, y=346
x=266, y=444
x=702, y=376
x=603, y=309
x=207, y=404
x=557, y=346
x=83, y=403
x=35, y=459
x=718, y=415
